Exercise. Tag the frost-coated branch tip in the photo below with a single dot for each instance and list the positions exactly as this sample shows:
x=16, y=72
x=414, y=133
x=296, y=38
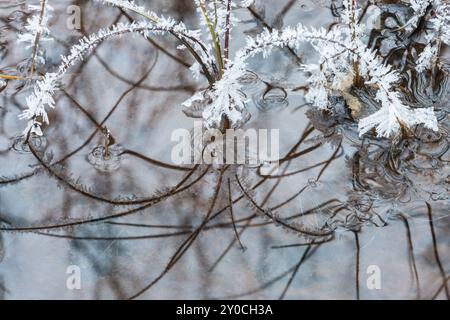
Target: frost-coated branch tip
x=438, y=34
x=42, y=96
x=343, y=55
x=337, y=53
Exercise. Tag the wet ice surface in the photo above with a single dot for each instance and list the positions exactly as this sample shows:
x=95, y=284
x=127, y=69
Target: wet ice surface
x=367, y=185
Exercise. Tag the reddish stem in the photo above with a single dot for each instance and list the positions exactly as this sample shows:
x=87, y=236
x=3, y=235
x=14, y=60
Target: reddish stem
x=227, y=33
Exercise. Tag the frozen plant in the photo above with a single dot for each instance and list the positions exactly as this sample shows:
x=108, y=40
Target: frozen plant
x=419, y=10
x=438, y=34
x=37, y=31
x=227, y=100
x=223, y=103
x=42, y=96
x=344, y=60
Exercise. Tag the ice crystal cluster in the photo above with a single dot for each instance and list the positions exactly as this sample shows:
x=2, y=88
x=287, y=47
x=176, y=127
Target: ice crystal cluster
x=439, y=30
x=42, y=97
x=344, y=62
x=225, y=100
x=37, y=29
x=343, y=56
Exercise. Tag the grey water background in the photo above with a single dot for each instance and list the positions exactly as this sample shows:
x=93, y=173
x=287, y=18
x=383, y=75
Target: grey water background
x=33, y=265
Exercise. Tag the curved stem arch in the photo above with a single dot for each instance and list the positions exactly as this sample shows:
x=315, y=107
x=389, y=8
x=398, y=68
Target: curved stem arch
x=45, y=88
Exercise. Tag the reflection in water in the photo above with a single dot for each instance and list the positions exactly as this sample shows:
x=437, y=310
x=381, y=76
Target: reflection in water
x=21, y=145
x=272, y=99
x=105, y=159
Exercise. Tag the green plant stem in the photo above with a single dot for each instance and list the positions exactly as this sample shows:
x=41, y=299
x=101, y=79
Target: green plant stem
x=217, y=50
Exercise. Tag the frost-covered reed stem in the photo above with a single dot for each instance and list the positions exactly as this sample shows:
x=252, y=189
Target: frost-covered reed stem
x=212, y=32
x=393, y=114
x=38, y=36
x=226, y=50
x=45, y=88
x=36, y=31
x=196, y=48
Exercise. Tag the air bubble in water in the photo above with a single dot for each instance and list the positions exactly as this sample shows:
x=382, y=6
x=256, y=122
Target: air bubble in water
x=20, y=145
x=105, y=159
x=312, y=183
x=249, y=78
x=272, y=100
